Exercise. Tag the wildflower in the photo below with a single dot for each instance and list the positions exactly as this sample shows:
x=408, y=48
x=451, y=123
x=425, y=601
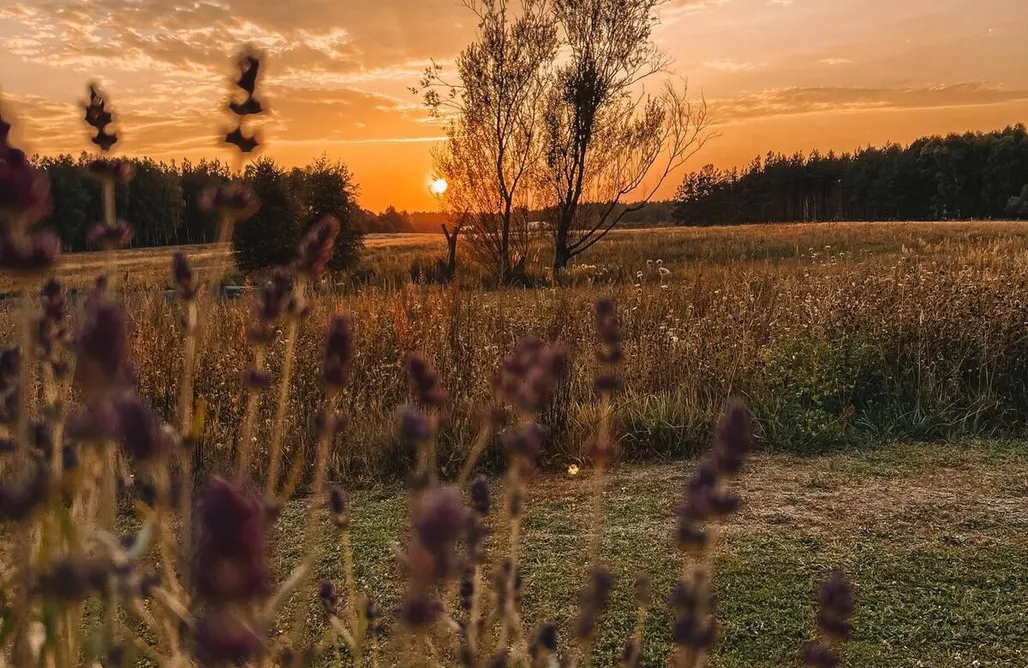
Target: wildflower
x=338, y=353
x=337, y=503
x=222, y=636
x=440, y=522
x=573, y=470
x=106, y=169
x=643, y=590
x=24, y=190
x=426, y=382
x=75, y=578
x=19, y=498
x=419, y=611
x=414, y=425
x=138, y=430
x=273, y=301
x=480, y=495
x=29, y=254
x=182, y=273
x=525, y=441
x=99, y=117
x=327, y=596
x=593, y=602
x=315, y=248
x=528, y=377
x=835, y=598
x=229, y=561
x=544, y=643
x=110, y=237
x=235, y=200
x=100, y=345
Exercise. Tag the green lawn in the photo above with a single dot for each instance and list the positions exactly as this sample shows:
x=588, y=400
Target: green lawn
x=933, y=536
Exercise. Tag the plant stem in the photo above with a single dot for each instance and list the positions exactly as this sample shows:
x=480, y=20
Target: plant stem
x=246, y=434
x=310, y=547
x=284, y=386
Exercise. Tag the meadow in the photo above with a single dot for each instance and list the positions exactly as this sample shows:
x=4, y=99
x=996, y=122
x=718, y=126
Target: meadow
x=839, y=336
x=884, y=365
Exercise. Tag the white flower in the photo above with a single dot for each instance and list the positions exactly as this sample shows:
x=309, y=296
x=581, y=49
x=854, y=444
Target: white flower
x=660, y=262
x=665, y=272
x=639, y=275
x=649, y=263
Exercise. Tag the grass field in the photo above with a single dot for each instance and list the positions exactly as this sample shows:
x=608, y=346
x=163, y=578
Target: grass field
x=885, y=365
x=932, y=537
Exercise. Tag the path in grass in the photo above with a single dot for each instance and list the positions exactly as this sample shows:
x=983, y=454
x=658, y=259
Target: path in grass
x=935, y=538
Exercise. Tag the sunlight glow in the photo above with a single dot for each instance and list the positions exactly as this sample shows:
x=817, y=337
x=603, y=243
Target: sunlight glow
x=438, y=187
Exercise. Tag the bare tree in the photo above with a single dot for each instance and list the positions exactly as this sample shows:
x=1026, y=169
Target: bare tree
x=494, y=121
x=604, y=138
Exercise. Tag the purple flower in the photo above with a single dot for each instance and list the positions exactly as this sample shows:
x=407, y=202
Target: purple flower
x=480, y=495
x=414, y=425
x=817, y=655
x=110, y=237
x=100, y=345
x=338, y=353
x=29, y=254
x=231, y=199
x=138, y=430
x=182, y=273
x=315, y=248
x=441, y=521
x=24, y=190
x=229, y=562
x=593, y=602
x=106, y=169
x=19, y=498
x=836, y=605
x=222, y=637
x=98, y=117
x=426, y=382
x=525, y=441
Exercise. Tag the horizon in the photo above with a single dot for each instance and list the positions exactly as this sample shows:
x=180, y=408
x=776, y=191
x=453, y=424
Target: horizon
x=779, y=76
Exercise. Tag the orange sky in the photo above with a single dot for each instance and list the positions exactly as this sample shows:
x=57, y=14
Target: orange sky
x=778, y=74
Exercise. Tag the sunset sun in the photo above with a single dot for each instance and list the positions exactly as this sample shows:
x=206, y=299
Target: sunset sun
x=438, y=186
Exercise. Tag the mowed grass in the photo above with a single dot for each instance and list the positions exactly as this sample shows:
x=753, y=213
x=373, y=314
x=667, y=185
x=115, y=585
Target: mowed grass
x=932, y=536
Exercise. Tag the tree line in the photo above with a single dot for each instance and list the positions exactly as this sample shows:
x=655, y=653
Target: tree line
x=161, y=203
x=974, y=175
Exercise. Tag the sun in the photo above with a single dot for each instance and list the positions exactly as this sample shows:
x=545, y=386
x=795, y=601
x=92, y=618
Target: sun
x=438, y=186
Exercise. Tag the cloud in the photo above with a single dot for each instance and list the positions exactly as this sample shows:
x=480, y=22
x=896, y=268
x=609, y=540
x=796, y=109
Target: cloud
x=780, y=3
x=728, y=65
x=835, y=61
x=792, y=101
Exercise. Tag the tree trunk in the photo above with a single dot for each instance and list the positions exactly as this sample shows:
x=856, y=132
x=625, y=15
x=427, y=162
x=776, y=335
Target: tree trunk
x=561, y=250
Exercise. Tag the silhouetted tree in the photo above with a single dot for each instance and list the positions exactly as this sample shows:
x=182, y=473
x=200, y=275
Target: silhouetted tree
x=197, y=224
x=493, y=145
x=269, y=238
x=602, y=138
x=325, y=188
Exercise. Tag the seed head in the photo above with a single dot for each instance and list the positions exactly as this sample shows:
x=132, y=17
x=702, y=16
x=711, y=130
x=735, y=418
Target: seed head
x=426, y=382
x=229, y=562
x=315, y=248
x=99, y=117
x=110, y=237
x=31, y=254
x=338, y=353
x=235, y=200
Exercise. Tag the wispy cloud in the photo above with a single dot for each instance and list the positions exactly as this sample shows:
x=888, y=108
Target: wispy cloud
x=728, y=65
x=835, y=61
x=793, y=101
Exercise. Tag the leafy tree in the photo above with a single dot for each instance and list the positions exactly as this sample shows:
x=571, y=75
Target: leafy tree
x=493, y=146
x=269, y=238
x=69, y=217
x=326, y=188
x=153, y=204
x=198, y=226
x=601, y=138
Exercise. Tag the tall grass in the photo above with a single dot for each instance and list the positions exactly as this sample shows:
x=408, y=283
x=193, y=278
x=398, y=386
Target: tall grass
x=915, y=333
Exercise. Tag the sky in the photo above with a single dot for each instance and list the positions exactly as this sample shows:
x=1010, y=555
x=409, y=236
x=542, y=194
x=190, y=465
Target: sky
x=778, y=75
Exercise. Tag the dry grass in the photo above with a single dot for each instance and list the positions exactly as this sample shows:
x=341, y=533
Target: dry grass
x=838, y=334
